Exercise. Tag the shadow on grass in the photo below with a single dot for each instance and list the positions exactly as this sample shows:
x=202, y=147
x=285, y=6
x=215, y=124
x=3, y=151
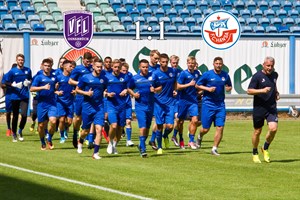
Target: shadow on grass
x=237, y=152
x=12, y=188
x=286, y=161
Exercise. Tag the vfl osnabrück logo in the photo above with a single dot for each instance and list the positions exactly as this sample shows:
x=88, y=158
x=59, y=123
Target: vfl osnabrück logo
x=78, y=28
x=221, y=30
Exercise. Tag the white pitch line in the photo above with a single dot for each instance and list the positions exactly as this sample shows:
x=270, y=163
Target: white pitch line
x=76, y=182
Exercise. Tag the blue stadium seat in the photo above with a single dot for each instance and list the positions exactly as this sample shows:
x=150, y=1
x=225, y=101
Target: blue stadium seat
x=227, y=5
x=59, y=21
x=257, y=13
x=274, y=5
x=96, y=11
x=165, y=4
x=264, y=22
x=10, y=27
x=139, y=18
x=130, y=28
x=246, y=29
x=263, y=5
x=38, y=27
x=190, y=21
x=207, y=11
x=286, y=5
x=276, y=22
x=121, y=12
x=242, y=21
x=283, y=29
x=113, y=20
x=199, y=21
x=178, y=4
x=33, y=19
x=108, y=12
x=1, y=27
x=103, y=4
x=245, y=13
x=297, y=21
x=29, y=11
x=15, y=10
x=115, y=4
x=296, y=5
x=152, y=21
x=155, y=29
x=51, y=27
x=202, y=5
x=105, y=28
x=281, y=13
x=47, y=19
x=269, y=14
x=252, y=21
x=128, y=4
x=177, y=21
x=167, y=20
x=51, y=4
x=271, y=29
x=250, y=5
x=89, y=4
x=134, y=13
x=42, y=11
x=258, y=29
x=37, y=4
x=288, y=22
x=235, y=12
x=11, y=3
x=295, y=29
x=2, y=3
x=184, y=13
x=183, y=29
x=6, y=18
x=3, y=10
x=196, y=29
x=146, y=12
x=196, y=13
x=215, y=5
x=159, y=13
x=293, y=13
x=141, y=4
x=144, y=29
x=99, y=20
x=24, y=27
x=153, y=4
x=20, y=19
x=171, y=29
x=171, y=13
x=190, y=4
x=118, y=28
x=239, y=5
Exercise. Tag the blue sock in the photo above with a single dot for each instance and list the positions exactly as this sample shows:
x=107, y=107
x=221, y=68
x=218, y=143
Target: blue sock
x=46, y=131
x=166, y=133
x=75, y=134
x=96, y=148
x=180, y=137
x=159, y=139
x=143, y=143
x=87, y=137
x=192, y=138
x=266, y=145
x=175, y=132
x=50, y=138
x=90, y=137
x=62, y=134
x=43, y=141
x=153, y=136
x=81, y=140
x=128, y=133
x=20, y=132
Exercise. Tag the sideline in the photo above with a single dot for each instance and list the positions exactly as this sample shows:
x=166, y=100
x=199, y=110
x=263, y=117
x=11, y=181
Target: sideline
x=75, y=182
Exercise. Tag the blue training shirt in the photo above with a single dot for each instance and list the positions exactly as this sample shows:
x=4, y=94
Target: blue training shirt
x=8, y=88
x=78, y=72
x=63, y=85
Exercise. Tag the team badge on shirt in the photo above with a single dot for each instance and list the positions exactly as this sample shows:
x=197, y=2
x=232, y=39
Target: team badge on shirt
x=150, y=78
x=170, y=74
x=53, y=79
x=101, y=81
x=223, y=78
x=26, y=72
x=121, y=79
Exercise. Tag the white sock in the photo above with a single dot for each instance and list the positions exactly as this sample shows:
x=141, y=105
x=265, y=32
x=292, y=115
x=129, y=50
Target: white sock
x=214, y=148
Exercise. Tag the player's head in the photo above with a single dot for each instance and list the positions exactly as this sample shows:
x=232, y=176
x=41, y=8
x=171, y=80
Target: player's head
x=14, y=65
x=61, y=60
x=67, y=66
x=144, y=66
x=97, y=66
x=94, y=58
x=124, y=67
x=268, y=65
x=191, y=63
x=51, y=61
x=47, y=65
x=154, y=57
x=107, y=62
x=163, y=60
x=87, y=59
x=20, y=58
x=218, y=64
x=73, y=64
x=116, y=66
x=122, y=60
x=174, y=61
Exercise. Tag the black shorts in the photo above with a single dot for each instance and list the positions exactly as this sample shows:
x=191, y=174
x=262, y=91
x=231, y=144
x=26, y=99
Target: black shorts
x=261, y=113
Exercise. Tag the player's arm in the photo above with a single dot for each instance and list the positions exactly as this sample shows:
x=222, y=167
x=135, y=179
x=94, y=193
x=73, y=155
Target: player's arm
x=85, y=93
x=252, y=91
x=136, y=95
x=183, y=86
x=39, y=88
x=73, y=82
x=205, y=88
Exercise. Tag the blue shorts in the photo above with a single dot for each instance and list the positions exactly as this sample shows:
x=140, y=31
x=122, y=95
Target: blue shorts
x=65, y=110
x=164, y=114
x=8, y=104
x=184, y=109
x=116, y=116
x=105, y=104
x=260, y=114
x=144, y=117
x=199, y=110
x=78, y=105
x=45, y=111
x=216, y=115
x=92, y=115
x=176, y=107
x=129, y=112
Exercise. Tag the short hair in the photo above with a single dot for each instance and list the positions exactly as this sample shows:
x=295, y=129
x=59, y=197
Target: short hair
x=51, y=60
x=174, y=57
x=14, y=65
x=143, y=61
x=62, y=58
x=108, y=57
x=47, y=60
x=164, y=55
x=94, y=58
x=20, y=55
x=66, y=62
x=218, y=58
x=98, y=60
x=122, y=59
x=125, y=65
x=270, y=59
x=189, y=58
x=73, y=63
x=87, y=55
x=115, y=61
x=154, y=51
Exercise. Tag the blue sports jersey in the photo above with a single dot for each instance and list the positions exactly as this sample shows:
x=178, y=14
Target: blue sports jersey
x=63, y=85
x=167, y=80
x=153, y=68
x=128, y=100
x=47, y=96
x=189, y=94
x=117, y=84
x=142, y=85
x=59, y=71
x=98, y=84
x=78, y=72
x=107, y=71
x=53, y=72
x=19, y=75
x=8, y=88
x=211, y=79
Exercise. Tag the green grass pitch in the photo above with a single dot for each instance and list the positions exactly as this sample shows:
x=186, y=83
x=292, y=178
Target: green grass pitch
x=177, y=174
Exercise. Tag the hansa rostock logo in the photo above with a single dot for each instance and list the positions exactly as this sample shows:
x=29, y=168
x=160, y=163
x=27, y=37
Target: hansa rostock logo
x=78, y=28
x=221, y=30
